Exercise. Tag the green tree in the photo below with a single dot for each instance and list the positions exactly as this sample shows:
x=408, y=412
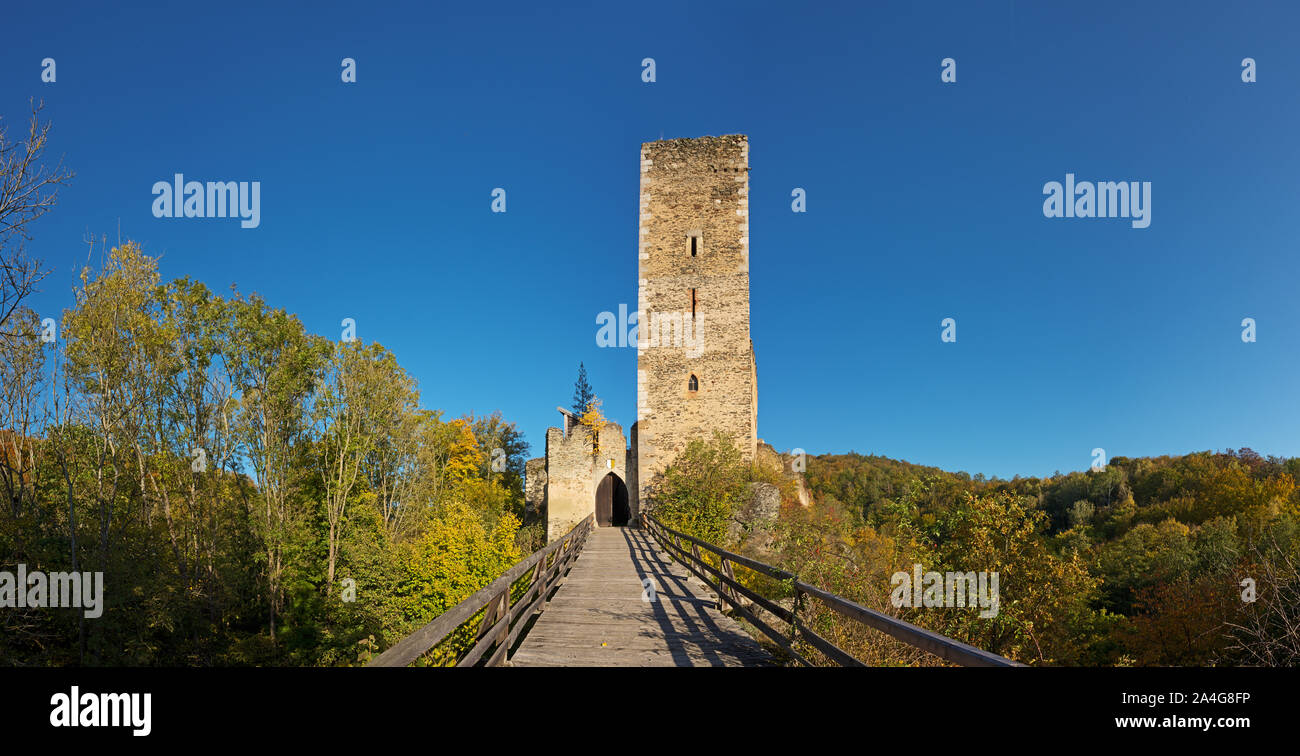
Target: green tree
x=698, y=492
x=1044, y=605
x=582, y=392
x=277, y=370
x=362, y=390
x=504, y=452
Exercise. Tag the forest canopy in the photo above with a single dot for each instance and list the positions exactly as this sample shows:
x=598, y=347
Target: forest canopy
x=1171, y=560
x=253, y=493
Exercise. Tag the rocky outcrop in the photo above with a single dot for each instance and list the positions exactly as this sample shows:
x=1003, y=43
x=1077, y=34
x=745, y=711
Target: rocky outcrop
x=752, y=522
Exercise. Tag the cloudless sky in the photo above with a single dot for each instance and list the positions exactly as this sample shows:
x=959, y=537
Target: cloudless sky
x=924, y=200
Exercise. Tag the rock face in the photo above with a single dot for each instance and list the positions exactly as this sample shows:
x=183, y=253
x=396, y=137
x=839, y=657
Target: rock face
x=789, y=465
x=764, y=502
x=753, y=522
x=805, y=495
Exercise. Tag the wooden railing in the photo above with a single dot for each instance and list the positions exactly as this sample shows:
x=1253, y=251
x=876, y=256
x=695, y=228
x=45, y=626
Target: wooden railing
x=503, y=619
x=732, y=592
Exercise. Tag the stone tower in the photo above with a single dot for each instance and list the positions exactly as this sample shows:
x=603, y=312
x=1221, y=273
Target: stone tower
x=695, y=359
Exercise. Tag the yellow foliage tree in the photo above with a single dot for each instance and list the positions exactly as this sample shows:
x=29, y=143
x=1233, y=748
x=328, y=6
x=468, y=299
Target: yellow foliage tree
x=457, y=554
x=594, y=419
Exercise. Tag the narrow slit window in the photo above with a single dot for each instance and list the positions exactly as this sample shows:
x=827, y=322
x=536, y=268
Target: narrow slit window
x=692, y=303
x=693, y=384
x=695, y=240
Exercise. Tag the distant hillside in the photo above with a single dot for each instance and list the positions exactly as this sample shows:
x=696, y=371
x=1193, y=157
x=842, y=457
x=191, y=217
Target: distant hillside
x=1191, y=488
x=1186, y=560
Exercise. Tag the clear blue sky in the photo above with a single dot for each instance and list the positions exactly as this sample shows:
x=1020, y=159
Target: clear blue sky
x=924, y=200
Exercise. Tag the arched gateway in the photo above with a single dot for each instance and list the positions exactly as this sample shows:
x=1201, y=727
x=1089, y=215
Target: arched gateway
x=611, y=502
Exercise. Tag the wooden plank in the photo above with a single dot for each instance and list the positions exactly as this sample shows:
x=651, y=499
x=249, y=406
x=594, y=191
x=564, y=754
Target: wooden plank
x=628, y=657
x=635, y=658
x=601, y=602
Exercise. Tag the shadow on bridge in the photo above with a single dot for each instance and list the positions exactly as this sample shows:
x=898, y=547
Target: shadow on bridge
x=625, y=604
x=645, y=596
x=682, y=615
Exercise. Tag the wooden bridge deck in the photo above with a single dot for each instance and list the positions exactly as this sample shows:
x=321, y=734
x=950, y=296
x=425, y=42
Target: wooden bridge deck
x=599, y=617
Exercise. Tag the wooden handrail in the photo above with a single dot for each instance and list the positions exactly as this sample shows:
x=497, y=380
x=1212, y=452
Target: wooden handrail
x=730, y=591
x=503, y=620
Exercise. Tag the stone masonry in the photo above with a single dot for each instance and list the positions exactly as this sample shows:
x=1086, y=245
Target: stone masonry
x=534, y=489
x=695, y=360
x=575, y=466
x=693, y=271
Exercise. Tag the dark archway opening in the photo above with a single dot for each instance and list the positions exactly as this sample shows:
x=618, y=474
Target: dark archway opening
x=611, y=502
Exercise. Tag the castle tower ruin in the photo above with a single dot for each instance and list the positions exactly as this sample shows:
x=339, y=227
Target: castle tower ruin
x=695, y=359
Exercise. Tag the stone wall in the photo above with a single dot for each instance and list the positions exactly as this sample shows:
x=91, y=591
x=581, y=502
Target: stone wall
x=575, y=465
x=632, y=473
x=694, y=194
x=535, y=489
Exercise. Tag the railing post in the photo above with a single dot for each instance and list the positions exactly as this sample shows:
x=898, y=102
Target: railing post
x=548, y=579
x=497, y=608
x=725, y=589
x=539, y=577
x=503, y=639
x=704, y=574
x=794, y=612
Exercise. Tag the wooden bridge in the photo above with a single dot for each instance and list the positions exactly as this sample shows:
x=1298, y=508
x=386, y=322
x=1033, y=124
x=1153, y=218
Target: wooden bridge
x=624, y=604
x=639, y=597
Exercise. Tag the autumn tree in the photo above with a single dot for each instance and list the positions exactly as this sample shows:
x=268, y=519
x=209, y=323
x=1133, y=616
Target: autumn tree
x=504, y=451
x=1039, y=591
x=112, y=349
x=593, y=419
x=223, y=467
x=393, y=466
x=277, y=370
x=362, y=390
x=22, y=382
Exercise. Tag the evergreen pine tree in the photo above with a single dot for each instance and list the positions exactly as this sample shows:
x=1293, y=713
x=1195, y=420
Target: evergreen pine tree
x=582, y=393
